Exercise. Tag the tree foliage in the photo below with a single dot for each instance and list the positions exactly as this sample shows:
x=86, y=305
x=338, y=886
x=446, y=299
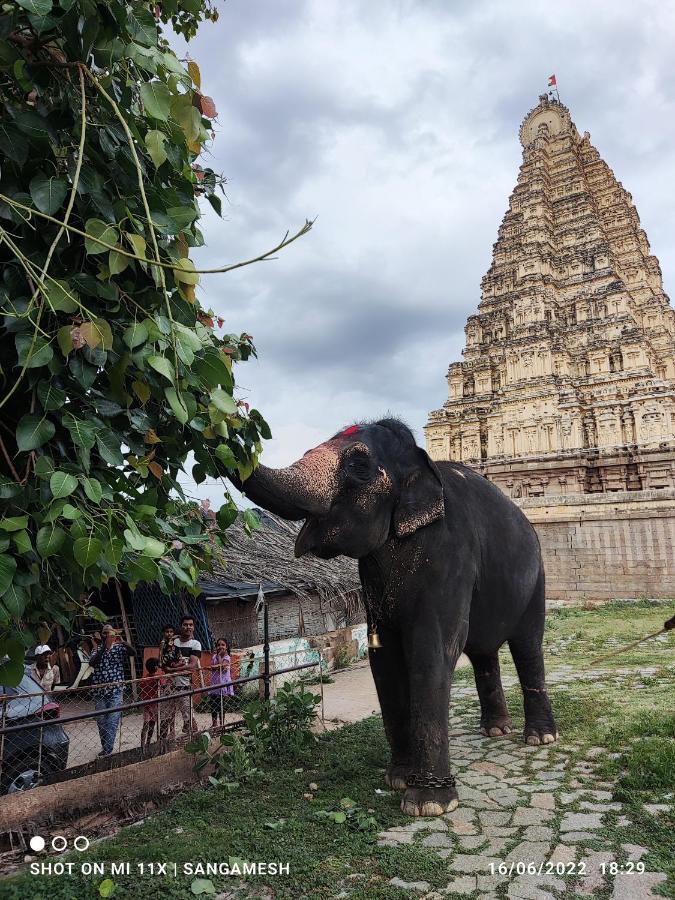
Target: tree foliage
x=111, y=372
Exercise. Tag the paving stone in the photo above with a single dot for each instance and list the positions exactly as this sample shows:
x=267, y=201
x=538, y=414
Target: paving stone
x=461, y=814
x=655, y=808
x=563, y=855
x=600, y=807
x=470, y=797
x=489, y=817
x=538, y=833
x=580, y=836
x=424, y=824
x=623, y=822
x=490, y=882
x=529, y=852
x=420, y=886
x=489, y=768
x=465, y=884
x=593, y=880
x=506, y=796
x=634, y=852
x=437, y=839
x=496, y=845
x=525, y=815
x=474, y=863
x=534, y=887
x=579, y=821
x=637, y=887
x=389, y=840
x=471, y=842
x=498, y=831
x=543, y=801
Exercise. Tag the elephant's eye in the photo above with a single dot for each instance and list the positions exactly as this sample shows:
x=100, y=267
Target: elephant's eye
x=360, y=466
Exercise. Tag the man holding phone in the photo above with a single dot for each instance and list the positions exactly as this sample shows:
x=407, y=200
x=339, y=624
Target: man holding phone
x=108, y=664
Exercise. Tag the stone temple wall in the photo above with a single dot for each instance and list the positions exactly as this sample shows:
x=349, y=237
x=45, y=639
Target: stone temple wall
x=606, y=546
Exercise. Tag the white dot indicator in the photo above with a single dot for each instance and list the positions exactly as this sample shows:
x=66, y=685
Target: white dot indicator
x=37, y=843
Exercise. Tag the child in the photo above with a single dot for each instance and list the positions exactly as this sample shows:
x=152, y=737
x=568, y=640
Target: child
x=221, y=680
x=149, y=691
x=171, y=661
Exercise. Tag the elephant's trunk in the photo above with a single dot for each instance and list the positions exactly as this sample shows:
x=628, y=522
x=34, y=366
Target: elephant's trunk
x=305, y=488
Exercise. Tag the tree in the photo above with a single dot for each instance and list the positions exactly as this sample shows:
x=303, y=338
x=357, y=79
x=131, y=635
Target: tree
x=111, y=372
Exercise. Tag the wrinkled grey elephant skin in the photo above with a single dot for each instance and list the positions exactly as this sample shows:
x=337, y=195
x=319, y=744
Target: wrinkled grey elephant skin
x=447, y=563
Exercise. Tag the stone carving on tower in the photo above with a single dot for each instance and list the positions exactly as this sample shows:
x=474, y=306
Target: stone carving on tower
x=568, y=379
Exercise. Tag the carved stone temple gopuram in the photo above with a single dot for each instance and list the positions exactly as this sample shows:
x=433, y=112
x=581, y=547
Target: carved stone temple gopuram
x=565, y=397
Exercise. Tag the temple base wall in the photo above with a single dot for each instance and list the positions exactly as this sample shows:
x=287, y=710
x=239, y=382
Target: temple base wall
x=606, y=546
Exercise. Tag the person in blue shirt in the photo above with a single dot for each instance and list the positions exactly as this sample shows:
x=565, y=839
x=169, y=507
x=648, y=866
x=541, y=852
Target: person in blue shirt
x=108, y=664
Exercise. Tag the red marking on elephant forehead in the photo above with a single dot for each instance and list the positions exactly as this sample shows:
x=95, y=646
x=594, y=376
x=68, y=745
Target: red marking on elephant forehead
x=349, y=431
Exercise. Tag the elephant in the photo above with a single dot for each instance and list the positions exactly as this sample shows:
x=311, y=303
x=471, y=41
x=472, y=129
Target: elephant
x=448, y=564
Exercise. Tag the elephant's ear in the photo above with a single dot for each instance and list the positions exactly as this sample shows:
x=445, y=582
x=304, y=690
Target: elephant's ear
x=421, y=501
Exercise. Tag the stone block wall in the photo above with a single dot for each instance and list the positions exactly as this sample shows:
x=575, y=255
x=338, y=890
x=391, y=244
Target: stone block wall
x=606, y=546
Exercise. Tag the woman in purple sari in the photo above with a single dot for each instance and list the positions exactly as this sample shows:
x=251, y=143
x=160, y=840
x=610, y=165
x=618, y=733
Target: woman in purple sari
x=221, y=681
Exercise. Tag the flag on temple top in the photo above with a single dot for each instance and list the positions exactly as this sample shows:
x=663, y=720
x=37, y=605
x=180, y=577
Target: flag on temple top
x=551, y=81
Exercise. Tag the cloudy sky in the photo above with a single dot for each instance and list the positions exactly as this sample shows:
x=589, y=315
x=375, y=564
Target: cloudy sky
x=396, y=125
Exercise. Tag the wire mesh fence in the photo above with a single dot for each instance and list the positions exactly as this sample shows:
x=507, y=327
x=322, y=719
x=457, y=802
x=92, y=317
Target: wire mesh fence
x=49, y=735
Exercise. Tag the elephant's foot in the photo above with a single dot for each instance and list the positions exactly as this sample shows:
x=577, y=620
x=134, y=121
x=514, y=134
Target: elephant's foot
x=497, y=726
x=429, y=801
x=536, y=733
x=396, y=776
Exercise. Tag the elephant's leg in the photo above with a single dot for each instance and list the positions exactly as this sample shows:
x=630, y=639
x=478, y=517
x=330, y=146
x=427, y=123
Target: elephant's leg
x=431, y=788
x=495, y=720
x=526, y=649
x=388, y=666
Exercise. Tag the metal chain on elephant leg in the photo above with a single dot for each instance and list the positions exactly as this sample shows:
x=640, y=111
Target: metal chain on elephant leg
x=429, y=780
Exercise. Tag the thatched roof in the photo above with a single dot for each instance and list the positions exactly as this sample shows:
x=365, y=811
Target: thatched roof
x=267, y=555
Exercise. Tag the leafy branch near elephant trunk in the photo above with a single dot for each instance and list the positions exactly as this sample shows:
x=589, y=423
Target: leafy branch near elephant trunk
x=111, y=372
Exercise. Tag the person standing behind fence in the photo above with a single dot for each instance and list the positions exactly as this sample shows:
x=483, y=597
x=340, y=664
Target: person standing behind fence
x=170, y=660
x=191, y=651
x=108, y=664
x=149, y=690
x=46, y=675
x=221, y=679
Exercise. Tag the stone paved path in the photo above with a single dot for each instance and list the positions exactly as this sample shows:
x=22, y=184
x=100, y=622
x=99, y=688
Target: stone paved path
x=522, y=807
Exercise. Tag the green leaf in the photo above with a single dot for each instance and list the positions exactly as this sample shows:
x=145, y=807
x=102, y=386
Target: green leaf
x=138, y=245
x=117, y=262
x=212, y=370
x=60, y=296
x=143, y=569
x=87, y=550
x=7, y=570
x=62, y=484
x=50, y=396
x=202, y=886
x=223, y=401
x=177, y=405
x=82, y=434
x=48, y=192
x=104, y=232
x=49, y=540
x=64, y=337
x=226, y=456
x=22, y=541
x=33, y=351
x=33, y=431
x=156, y=99
x=14, y=601
x=93, y=490
x=14, y=523
x=185, y=273
x=135, y=335
x=8, y=488
x=107, y=887
x=37, y=7
x=72, y=513
x=97, y=333
x=251, y=520
x=142, y=26
x=135, y=539
x=154, y=141
x=339, y=817
x=108, y=445
x=154, y=548
x=162, y=365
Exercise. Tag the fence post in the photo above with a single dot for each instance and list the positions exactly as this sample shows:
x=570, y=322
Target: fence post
x=266, y=649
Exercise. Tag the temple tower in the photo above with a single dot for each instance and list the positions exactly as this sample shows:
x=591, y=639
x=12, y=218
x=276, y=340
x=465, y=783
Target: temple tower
x=567, y=385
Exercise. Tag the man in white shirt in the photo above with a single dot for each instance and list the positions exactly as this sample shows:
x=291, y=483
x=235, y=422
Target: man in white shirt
x=190, y=651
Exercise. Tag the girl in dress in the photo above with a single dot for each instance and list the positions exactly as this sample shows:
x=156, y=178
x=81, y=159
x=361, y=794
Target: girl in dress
x=221, y=681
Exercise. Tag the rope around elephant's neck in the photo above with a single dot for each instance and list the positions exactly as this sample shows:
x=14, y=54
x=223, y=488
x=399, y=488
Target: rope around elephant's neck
x=667, y=626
